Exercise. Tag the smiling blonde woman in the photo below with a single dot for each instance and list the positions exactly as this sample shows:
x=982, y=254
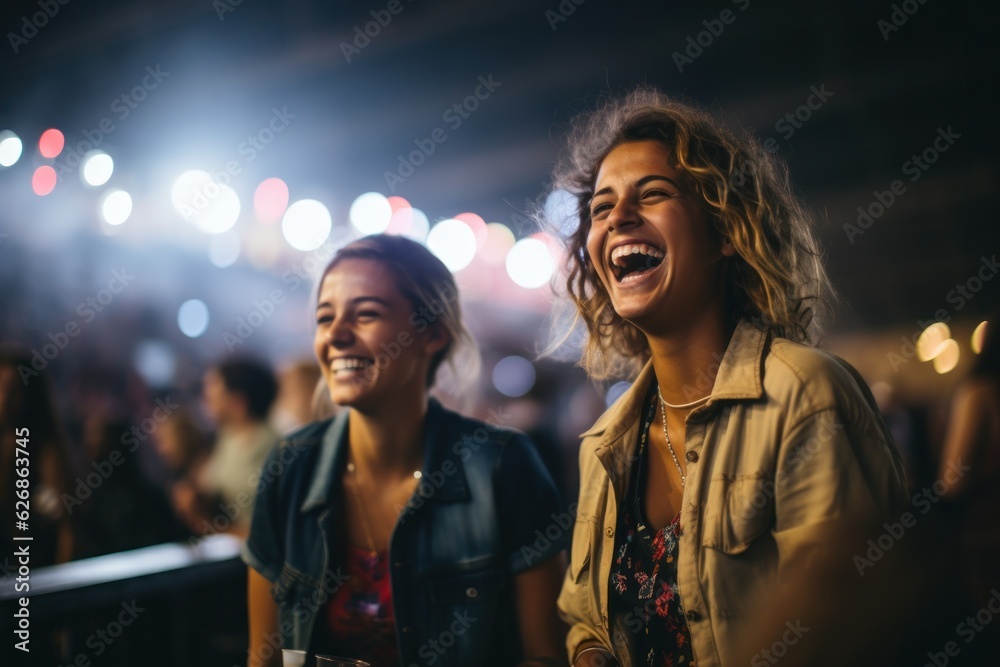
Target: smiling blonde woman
x=739, y=449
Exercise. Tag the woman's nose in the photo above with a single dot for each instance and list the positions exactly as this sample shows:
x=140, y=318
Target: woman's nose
x=622, y=215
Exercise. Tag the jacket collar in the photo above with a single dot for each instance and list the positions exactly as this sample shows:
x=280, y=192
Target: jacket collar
x=438, y=426
x=740, y=376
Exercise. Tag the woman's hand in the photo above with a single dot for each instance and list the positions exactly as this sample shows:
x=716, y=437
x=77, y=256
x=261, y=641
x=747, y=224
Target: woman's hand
x=542, y=633
x=264, y=636
x=593, y=654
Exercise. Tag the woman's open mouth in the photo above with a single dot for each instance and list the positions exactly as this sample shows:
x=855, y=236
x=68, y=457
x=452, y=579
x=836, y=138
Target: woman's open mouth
x=631, y=261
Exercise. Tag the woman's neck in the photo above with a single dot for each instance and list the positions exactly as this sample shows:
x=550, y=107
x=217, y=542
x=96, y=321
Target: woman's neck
x=686, y=363
x=388, y=443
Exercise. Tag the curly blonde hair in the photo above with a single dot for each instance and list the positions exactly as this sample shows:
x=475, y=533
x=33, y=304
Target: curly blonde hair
x=776, y=280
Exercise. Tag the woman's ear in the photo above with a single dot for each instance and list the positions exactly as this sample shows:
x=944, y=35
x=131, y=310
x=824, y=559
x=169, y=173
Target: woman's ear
x=436, y=338
x=727, y=248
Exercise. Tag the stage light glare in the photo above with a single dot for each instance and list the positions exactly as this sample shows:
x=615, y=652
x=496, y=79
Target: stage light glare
x=10, y=148
x=529, y=263
x=306, y=225
x=51, y=143
x=192, y=318
x=270, y=200
x=43, y=181
x=454, y=243
x=514, y=376
x=97, y=168
x=116, y=207
x=371, y=213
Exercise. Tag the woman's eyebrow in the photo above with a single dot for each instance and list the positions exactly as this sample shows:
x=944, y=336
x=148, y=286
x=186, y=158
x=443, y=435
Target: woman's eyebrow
x=356, y=300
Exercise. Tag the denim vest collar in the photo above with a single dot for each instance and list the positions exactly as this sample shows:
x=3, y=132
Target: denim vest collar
x=333, y=454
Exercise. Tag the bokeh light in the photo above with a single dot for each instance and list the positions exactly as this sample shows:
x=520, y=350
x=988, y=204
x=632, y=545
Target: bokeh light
x=155, y=362
x=199, y=199
x=947, y=356
x=615, y=391
x=476, y=224
x=371, y=213
x=51, y=143
x=116, y=207
x=402, y=215
x=192, y=318
x=529, y=263
x=224, y=249
x=499, y=241
x=514, y=376
x=10, y=148
x=561, y=211
x=979, y=337
x=270, y=200
x=306, y=225
x=419, y=227
x=43, y=181
x=97, y=168
x=454, y=243
x=930, y=340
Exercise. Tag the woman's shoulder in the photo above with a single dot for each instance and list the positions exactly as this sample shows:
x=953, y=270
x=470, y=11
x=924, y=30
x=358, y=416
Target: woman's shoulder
x=823, y=380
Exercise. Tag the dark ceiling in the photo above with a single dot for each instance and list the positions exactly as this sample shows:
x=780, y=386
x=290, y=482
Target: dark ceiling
x=232, y=62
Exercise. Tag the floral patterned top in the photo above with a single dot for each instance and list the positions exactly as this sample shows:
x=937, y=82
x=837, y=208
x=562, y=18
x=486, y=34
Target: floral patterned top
x=359, y=618
x=647, y=619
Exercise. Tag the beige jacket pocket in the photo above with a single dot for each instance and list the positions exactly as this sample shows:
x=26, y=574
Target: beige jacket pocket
x=740, y=509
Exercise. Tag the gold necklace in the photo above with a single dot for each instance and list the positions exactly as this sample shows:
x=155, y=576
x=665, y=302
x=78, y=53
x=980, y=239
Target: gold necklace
x=670, y=446
x=361, y=510
x=361, y=507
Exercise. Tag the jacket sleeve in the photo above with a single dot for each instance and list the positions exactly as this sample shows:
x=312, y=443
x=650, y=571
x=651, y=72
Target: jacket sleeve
x=263, y=548
x=838, y=472
x=579, y=598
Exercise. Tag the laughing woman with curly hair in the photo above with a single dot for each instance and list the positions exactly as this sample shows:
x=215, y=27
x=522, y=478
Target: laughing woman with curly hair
x=740, y=450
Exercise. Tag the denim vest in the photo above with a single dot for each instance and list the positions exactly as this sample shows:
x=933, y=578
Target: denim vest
x=469, y=528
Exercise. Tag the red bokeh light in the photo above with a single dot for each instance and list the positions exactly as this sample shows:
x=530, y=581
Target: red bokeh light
x=270, y=200
x=44, y=180
x=51, y=144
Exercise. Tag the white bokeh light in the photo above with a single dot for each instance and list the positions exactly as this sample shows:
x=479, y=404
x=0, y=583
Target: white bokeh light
x=947, y=356
x=155, y=362
x=419, y=226
x=210, y=206
x=116, y=207
x=306, y=224
x=514, y=376
x=529, y=263
x=561, y=210
x=224, y=249
x=453, y=242
x=10, y=148
x=371, y=213
x=97, y=168
x=192, y=318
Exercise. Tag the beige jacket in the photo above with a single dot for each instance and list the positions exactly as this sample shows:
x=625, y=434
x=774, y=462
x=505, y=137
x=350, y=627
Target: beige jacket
x=790, y=445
